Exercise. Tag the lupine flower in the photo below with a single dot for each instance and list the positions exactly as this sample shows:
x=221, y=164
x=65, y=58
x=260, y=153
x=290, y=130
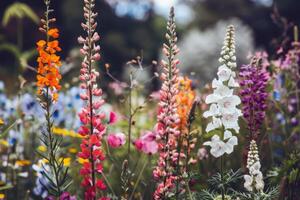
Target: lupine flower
x=147, y=142
x=116, y=140
x=168, y=118
x=223, y=103
x=254, y=181
x=92, y=118
x=253, y=82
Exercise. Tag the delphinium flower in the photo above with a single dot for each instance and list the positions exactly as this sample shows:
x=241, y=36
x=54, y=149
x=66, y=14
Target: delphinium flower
x=254, y=80
x=254, y=181
x=168, y=119
x=48, y=78
x=223, y=109
x=93, y=127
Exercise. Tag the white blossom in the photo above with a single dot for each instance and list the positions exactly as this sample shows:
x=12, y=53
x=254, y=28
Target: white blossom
x=254, y=180
x=223, y=102
x=220, y=147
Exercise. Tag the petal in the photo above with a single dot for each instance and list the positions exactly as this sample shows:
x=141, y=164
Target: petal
x=233, y=83
x=227, y=135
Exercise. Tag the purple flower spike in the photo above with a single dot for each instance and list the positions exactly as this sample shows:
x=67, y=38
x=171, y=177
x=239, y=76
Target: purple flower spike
x=253, y=81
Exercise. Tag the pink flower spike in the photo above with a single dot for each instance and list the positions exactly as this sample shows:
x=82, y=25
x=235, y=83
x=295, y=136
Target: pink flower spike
x=116, y=140
x=112, y=118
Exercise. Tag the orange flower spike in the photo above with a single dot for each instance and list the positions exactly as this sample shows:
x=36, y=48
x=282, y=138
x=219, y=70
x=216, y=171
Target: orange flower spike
x=53, y=33
x=185, y=99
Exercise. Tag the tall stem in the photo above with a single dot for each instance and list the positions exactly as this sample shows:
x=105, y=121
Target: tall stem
x=51, y=152
x=222, y=176
x=89, y=57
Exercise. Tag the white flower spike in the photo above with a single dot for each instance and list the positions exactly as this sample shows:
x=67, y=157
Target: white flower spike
x=223, y=103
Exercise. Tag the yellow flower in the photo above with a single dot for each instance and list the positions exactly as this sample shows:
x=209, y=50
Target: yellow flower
x=42, y=148
x=2, y=196
x=81, y=160
x=66, y=161
x=4, y=143
x=1, y=122
x=44, y=161
x=23, y=163
x=72, y=150
x=65, y=132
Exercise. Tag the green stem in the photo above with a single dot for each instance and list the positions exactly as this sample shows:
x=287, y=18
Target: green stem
x=138, y=179
x=222, y=175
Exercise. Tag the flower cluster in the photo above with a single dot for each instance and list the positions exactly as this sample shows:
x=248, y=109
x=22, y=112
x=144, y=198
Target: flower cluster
x=254, y=181
x=223, y=108
x=48, y=75
x=253, y=94
x=185, y=99
x=92, y=128
x=168, y=119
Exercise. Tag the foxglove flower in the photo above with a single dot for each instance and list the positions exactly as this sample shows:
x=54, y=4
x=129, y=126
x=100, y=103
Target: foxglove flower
x=223, y=102
x=253, y=82
x=168, y=119
x=254, y=180
x=91, y=117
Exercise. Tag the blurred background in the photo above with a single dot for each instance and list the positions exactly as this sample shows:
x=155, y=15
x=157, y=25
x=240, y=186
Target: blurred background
x=131, y=28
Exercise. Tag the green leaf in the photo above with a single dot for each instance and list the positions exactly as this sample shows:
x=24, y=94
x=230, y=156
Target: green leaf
x=5, y=132
x=20, y=11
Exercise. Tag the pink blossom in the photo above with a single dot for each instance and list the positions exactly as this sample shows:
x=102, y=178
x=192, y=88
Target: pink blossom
x=147, y=143
x=112, y=118
x=116, y=140
x=202, y=154
x=118, y=88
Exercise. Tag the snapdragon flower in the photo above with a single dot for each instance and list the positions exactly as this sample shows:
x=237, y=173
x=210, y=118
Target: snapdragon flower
x=223, y=102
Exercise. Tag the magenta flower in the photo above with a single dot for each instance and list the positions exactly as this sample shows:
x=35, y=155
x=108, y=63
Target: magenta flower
x=253, y=94
x=112, y=118
x=116, y=140
x=147, y=143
